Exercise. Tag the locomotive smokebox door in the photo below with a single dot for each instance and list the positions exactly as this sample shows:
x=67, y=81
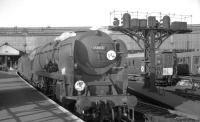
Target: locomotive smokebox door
x=95, y=53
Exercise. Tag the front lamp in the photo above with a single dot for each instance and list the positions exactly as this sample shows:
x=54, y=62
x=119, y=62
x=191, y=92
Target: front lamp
x=80, y=85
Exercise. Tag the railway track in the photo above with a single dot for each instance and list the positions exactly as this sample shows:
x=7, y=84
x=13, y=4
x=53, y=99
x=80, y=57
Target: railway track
x=153, y=113
x=189, y=93
x=186, y=95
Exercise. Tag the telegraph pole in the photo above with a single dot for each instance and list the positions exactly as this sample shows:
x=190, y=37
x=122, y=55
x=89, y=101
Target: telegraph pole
x=25, y=33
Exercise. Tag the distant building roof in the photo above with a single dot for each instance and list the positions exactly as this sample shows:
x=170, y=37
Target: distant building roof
x=39, y=30
x=7, y=49
x=195, y=28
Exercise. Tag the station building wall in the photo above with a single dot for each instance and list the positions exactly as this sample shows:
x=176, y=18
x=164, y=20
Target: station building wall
x=25, y=43
x=190, y=41
x=180, y=42
x=187, y=42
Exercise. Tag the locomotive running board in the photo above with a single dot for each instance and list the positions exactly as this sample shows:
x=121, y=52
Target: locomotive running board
x=50, y=75
x=117, y=100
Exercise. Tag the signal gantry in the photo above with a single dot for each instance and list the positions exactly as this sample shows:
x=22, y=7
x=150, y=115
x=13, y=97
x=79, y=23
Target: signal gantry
x=149, y=34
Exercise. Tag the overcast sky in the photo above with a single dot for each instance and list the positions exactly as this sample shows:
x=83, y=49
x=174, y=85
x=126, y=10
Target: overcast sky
x=42, y=13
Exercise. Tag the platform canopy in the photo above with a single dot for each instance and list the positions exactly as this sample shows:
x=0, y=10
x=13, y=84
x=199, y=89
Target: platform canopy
x=6, y=49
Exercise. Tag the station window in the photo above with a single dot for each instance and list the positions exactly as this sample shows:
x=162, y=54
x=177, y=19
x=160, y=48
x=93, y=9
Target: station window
x=183, y=60
x=180, y=60
x=196, y=59
x=129, y=63
x=133, y=62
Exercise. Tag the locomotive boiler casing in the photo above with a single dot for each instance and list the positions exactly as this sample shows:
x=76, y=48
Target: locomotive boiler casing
x=54, y=53
x=88, y=50
x=55, y=58
x=24, y=66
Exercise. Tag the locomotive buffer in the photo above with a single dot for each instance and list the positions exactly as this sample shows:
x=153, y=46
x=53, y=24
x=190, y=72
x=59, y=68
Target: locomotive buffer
x=149, y=35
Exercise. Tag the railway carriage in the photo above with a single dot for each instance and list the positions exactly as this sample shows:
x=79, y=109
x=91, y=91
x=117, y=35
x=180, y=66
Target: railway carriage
x=190, y=62
x=166, y=67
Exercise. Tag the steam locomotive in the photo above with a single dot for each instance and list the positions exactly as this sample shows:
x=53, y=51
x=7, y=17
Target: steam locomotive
x=85, y=71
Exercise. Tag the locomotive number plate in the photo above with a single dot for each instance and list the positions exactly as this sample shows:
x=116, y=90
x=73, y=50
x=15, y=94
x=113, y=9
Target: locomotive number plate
x=167, y=71
x=98, y=48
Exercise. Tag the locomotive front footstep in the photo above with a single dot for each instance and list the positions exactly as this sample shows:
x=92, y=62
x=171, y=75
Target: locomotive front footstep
x=168, y=100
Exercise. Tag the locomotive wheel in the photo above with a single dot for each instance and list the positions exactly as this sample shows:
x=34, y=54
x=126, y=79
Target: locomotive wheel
x=53, y=86
x=43, y=85
x=116, y=114
x=39, y=83
x=48, y=82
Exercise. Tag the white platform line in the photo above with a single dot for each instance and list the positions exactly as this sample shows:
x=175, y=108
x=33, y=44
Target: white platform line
x=76, y=119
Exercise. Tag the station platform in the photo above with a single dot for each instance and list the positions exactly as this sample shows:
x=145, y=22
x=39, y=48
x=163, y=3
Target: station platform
x=20, y=102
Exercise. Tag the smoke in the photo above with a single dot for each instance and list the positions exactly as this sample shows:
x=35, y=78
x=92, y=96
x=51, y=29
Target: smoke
x=198, y=3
